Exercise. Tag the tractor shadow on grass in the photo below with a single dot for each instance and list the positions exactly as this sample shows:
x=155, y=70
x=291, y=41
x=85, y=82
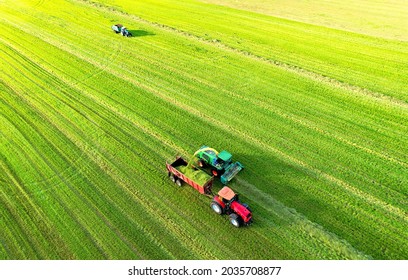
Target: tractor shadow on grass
x=141, y=33
x=277, y=192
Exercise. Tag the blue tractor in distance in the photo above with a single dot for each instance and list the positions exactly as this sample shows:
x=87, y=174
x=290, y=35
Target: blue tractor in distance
x=119, y=28
x=220, y=164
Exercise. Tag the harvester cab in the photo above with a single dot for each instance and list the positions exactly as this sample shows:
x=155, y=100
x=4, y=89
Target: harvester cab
x=227, y=202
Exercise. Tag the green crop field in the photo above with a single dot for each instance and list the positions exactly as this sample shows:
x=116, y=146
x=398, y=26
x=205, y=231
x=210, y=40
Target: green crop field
x=315, y=109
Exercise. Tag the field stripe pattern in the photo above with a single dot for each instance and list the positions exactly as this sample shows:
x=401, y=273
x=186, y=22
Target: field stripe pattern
x=88, y=119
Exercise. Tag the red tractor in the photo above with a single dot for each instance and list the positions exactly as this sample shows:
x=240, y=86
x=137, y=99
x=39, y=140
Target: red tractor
x=227, y=202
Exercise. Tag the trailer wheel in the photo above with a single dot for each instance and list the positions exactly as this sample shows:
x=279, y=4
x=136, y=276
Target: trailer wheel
x=217, y=207
x=172, y=178
x=178, y=182
x=235, y=220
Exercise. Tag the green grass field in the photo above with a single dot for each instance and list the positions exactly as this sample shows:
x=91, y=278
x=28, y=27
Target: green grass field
x=317, y=115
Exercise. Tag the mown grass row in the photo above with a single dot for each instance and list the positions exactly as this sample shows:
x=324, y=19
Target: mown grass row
x=344, y=15
x=127, y=176
x=136, y=82
x=368, y=62
x=188, y=199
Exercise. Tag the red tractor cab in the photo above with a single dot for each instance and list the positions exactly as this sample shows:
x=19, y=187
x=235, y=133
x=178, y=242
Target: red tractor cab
x=227, y=202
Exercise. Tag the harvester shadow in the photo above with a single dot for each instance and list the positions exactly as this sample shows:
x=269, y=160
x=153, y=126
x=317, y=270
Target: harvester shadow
x=140, y=33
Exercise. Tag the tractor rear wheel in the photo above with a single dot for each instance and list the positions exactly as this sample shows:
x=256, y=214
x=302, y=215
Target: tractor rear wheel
x=217, y=207
x=172, y=178
x=178, y=182
x=235, y=220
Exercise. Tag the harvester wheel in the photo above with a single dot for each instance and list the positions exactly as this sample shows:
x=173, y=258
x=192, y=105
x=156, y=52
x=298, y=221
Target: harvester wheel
x=178, y=182
x=216, y=207
x=201, y=163
x=235, y=220
x=214, y=172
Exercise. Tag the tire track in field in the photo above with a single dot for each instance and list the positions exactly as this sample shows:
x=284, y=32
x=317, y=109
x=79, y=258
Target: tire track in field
x=174, y=206
x=108, y=224
x=74, y=85
x=282, y=114
x=66, y=171
x=292, y=215
x=94, y=111
x=299, y=121
x=61, y=87
x=111, y=135
x=364, y=196
x=50, y=165
x=41, y=223
x=81, y=197
x=363, y=92
x=68, y=210
x=285, y=115
x=57, y=174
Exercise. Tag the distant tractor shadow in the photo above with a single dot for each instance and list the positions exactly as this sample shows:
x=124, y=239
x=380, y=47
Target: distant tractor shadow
x=140, y=33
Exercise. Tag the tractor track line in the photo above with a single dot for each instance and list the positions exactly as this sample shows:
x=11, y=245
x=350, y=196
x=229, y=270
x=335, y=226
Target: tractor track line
x=288, y=116
x=65, y=182
x=123, y=132
x=315, y=128
x=59, y=176
x=106, y=120
x=79, y=221
x=283, y=211
x=282, y=114
x=56, y=172
x=260, y=143
x=363, y=92
x=35, y=242
x=69, y=85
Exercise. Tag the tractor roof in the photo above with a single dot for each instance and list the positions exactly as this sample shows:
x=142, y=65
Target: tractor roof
x=226, y=193
x=225, y=156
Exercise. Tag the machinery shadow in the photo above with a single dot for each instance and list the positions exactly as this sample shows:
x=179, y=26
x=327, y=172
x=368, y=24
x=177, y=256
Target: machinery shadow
x=140, y=33
x=270, y=186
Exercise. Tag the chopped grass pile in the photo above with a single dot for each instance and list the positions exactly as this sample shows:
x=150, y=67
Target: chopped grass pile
x=198, y=176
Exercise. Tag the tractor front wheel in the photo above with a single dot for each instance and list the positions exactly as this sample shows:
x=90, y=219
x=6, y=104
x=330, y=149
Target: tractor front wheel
x=178, y=182
x=216, y=207
x=235, y=220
